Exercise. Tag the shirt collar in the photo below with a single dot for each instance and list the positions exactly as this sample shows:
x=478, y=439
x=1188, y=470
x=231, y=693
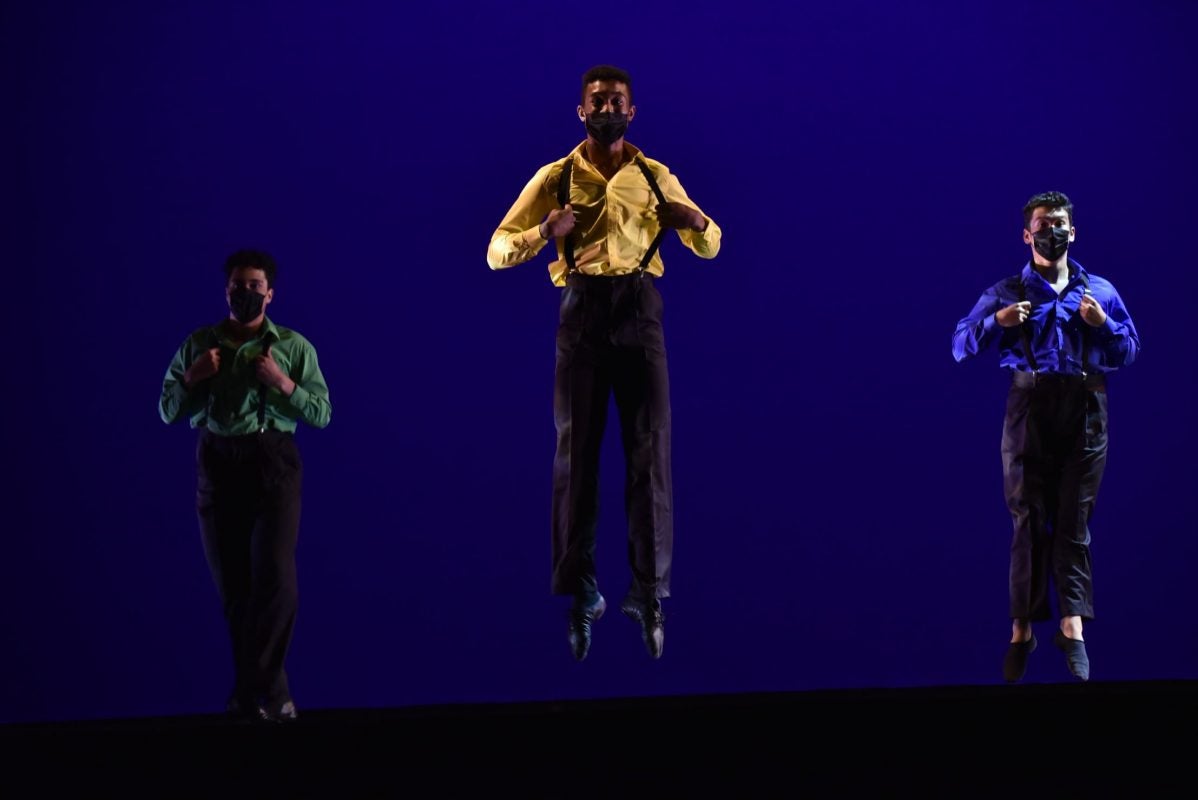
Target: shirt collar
x=267, y=333
x=1075, y=271
x=579, y=155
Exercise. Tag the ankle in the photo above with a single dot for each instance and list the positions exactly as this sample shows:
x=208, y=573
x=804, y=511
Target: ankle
x=1072, y=627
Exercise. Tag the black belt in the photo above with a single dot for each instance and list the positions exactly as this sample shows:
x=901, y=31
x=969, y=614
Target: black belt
x=1027, y=380
x=258, y=435
x=581, y=279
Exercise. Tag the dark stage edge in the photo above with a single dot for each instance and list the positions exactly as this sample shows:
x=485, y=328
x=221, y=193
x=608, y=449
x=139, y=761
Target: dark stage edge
x=1045, y=740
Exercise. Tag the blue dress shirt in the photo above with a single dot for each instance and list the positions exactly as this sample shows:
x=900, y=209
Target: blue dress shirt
x=1055, y=326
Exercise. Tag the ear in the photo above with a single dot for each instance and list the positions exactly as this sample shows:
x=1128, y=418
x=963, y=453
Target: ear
x=581, y=116
x=631, y=112
x=1072, y=234
x=1027, y=236
x=270, y=295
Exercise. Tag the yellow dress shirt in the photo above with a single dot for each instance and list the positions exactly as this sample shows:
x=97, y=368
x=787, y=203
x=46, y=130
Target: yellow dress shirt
x=615, y=221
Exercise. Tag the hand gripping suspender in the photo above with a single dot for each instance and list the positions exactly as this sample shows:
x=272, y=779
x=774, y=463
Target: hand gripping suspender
x=1027, y=339
x=661, y=198
x=563, y=197
x=263, y=389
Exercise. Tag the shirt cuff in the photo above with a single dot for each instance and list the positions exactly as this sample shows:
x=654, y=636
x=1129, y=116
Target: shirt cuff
x=299, y=398
x=526, y=244
x=706, y=242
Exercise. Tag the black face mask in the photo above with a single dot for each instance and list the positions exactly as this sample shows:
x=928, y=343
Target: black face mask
x=246, y=304
x=606, y=126
x=1051, y=243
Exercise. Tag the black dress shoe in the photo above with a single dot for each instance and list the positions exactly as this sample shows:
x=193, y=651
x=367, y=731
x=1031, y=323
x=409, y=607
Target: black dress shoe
x=1075, y=654
x=279, y=712
x=243, y=709
x=581, y=618
x=652, y=621
x=1014, y=664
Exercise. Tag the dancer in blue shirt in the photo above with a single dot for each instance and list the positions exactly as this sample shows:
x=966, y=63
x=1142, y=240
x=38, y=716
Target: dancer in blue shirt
x=1059, y=331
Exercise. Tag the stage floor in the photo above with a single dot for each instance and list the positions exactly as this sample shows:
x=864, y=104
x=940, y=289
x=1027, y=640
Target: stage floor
x=1093, y=740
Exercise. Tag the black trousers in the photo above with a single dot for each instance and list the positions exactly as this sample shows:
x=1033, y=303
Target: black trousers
x=610, y=341
x=1054, y=449
x=248, y=502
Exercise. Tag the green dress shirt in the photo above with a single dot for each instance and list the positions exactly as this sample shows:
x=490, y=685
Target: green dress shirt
x=228, y=403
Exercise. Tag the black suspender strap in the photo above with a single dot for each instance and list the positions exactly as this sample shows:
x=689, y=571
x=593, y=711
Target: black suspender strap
x=1027, y=339
x=661, y=198
x=213, y=341
x=1024, y=327
x=640, y=162
x=262, y=391
x=563, y=198
x=1085, y=334
x=563, y=184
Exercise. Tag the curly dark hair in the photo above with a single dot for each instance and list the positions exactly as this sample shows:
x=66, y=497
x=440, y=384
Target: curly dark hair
x=254, y=259
x=606, y=72
x=1053, y=200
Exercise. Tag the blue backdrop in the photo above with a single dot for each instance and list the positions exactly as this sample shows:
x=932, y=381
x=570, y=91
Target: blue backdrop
x=839, y=512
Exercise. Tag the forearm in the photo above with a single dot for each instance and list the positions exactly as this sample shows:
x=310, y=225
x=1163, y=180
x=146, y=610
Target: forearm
x=178, y=401
x=182, y=394
x=520, y=235
x=704, y=235
x=974, y=333
x=307, y=394
x=311, y=404
x=703, y=241
x=509, y=249
x=1118, y=341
